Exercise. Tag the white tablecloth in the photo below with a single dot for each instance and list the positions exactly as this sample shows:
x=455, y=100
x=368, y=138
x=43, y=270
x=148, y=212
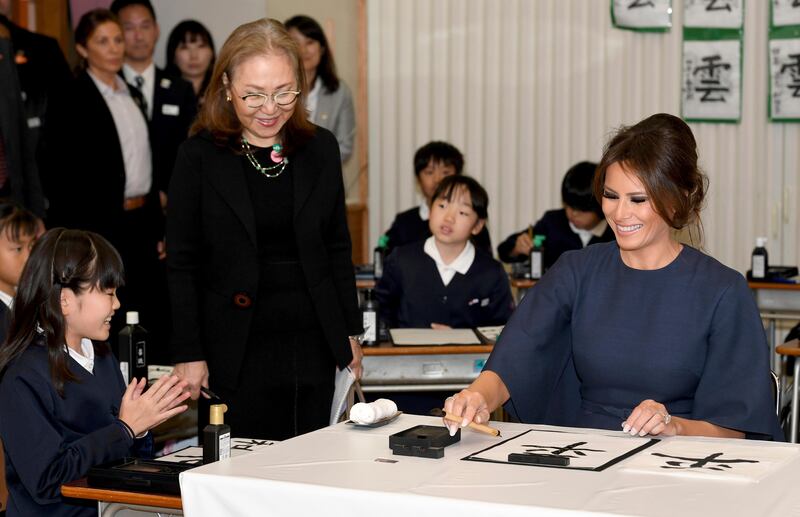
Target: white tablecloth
x=334, y=472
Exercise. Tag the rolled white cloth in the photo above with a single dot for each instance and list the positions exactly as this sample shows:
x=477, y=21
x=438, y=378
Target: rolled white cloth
x=370, y=413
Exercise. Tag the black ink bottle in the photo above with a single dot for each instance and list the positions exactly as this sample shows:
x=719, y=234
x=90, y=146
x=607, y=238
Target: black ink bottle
x=132, y=348
x=759, y=261
x=369, y=312
x=216, y=436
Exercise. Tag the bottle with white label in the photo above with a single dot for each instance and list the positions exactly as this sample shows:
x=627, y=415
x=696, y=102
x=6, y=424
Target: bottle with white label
x=759, y=261
x=216, y=436
x=369, y=311
x=537, y=257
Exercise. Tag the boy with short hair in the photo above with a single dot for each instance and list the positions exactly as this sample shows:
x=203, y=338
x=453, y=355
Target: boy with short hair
x=19, y=229
x=446, y=281
x=433, y=162
x=579, y=223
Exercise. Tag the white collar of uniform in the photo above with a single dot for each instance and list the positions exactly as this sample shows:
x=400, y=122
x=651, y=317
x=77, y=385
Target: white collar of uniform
x=106, y=90
x=461, y=264
x=86, y=357
x=6, y=299
x=149, y=74
x=586, y=235
x=424, y=211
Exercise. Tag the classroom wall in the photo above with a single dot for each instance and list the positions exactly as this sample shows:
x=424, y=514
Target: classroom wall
x=338, y=19
x=528, y=89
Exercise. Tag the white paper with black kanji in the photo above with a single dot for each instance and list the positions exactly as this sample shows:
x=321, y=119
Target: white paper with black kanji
x=643, y=14
x=194, y=455
x=717, y=14
x=784, y=72
x=584, y=450
x=741, y=461
x=711, y=82
x=785, y=12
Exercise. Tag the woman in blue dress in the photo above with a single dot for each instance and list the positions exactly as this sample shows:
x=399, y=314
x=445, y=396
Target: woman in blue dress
x=644, y=334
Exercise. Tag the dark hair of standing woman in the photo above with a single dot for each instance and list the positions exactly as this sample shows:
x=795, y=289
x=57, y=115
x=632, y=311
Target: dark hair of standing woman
x=61, y=258
x=326, y=70
x=264, y=37
x=88, y=23
x=662, y=153
x=190, y=31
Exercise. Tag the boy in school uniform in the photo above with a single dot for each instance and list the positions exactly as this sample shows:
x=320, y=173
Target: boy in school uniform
x=578, y=224
x=445, y=280
x=433, y=162
x=19, y=229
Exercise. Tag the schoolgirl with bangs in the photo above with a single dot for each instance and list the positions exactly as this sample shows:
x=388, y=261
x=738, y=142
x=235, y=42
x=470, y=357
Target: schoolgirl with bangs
x=64, y=405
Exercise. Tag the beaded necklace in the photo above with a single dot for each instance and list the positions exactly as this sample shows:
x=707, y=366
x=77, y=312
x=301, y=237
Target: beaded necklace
x=275, y=155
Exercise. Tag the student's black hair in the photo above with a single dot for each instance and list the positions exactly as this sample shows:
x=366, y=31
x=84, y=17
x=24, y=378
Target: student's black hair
x=185, y=32
x=16, y=221
x=61, y=259
x=577, y=188
x=451, y=185
x=308, y=27
x=118, y=5
x=438, y=152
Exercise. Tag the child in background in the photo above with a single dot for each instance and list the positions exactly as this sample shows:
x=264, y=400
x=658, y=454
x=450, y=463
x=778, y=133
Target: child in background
x=65, y=406
x=433, y=162
x=18, y=231
x=446, y=281
x=578, y=224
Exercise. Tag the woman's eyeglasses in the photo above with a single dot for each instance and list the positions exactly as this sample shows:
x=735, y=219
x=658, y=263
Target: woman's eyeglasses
x=256, y=100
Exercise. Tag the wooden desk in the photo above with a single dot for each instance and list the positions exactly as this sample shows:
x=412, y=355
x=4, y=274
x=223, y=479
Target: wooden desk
x=138, y=500
x=422, y=368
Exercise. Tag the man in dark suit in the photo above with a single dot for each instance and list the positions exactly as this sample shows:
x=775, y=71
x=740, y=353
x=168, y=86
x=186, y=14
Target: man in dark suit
x=170, y=102
x=19, y=176
x=43, y=73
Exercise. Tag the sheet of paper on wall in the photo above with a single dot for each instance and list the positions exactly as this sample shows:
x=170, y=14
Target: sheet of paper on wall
x=239, y=446
x=586, y=451
x=433, y=337
x=712, y=459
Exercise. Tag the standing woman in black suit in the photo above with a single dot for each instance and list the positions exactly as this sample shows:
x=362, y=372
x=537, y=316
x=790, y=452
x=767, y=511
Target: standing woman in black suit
x=258, y=252
x=100, y=173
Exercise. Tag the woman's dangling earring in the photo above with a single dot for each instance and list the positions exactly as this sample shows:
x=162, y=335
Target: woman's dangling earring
x=228, y=97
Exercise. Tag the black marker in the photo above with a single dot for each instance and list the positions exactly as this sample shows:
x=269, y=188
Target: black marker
x=538, y=459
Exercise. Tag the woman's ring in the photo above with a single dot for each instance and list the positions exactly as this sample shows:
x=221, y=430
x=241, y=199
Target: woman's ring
x=667, y=418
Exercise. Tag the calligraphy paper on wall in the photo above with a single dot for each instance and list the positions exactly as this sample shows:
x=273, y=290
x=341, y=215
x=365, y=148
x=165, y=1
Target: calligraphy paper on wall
x=711, y=82
x=642, y=14
x=719, y=14
x=586, y=451
x=784, y=73
x=737, y=460
x=785, y=12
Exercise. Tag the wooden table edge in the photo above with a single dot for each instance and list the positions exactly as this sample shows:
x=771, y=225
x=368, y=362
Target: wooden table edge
x=80, y=489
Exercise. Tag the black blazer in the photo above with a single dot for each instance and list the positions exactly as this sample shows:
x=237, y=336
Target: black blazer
x=559, y=238
x=174, y=110
x=86, y=171
x=23, y=174
x=212, y=253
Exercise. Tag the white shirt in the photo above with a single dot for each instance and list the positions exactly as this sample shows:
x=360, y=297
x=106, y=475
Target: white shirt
x=461, y=264
x=313, y=99
x=6, y=299
x=424, y=211
x=586, y=235
x=86, y=357
x=133, y=136
x=148, y=87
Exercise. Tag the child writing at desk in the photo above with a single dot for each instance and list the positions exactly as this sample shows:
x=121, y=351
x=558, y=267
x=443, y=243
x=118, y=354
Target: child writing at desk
x=446, y=281
x=578, y=224
x=65, y=406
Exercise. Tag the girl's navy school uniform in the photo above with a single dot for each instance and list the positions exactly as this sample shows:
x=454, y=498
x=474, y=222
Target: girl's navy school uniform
x=413, y=293
x=50, y=440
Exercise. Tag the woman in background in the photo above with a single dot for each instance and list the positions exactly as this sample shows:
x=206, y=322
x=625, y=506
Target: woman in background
x=190, y=54
x=329, y=101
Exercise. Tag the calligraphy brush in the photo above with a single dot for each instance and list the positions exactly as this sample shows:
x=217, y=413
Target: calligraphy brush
x=472, y=425
x=210, y=393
